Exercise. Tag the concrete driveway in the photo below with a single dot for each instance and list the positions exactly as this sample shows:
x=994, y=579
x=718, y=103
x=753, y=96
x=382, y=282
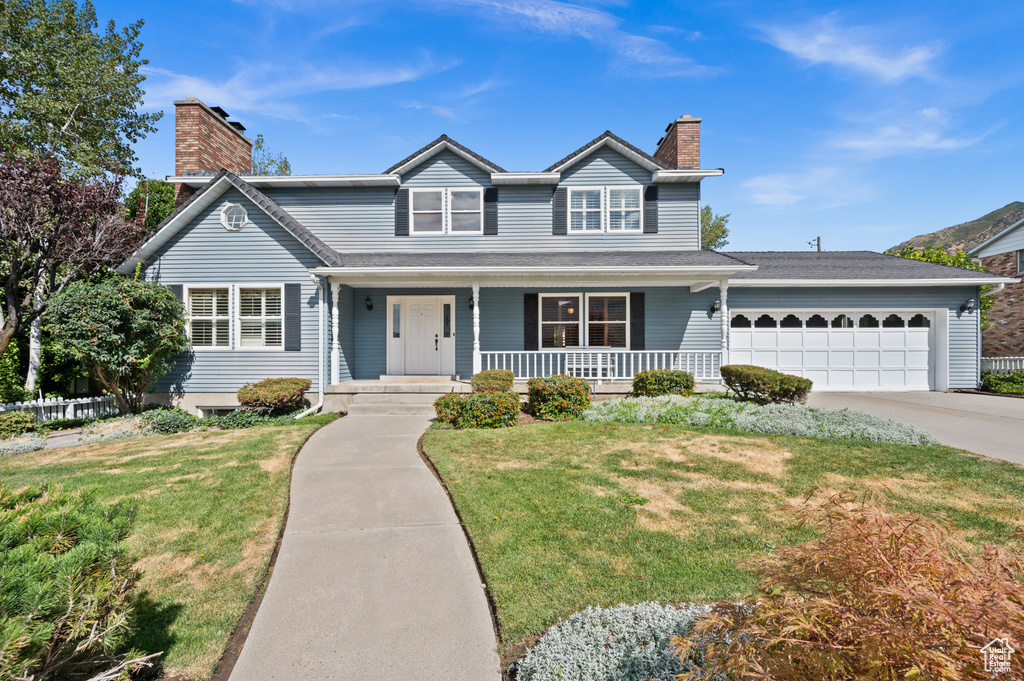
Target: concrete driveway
x=983, y=424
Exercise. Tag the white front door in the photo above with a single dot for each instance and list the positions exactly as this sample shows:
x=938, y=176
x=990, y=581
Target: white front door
x=421, y=335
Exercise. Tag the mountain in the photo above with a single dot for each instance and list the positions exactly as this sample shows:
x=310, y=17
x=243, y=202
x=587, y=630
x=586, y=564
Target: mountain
x=967, y=235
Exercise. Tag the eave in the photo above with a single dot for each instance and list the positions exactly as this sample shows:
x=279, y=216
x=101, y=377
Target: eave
x=386, y=180
x=867, y=283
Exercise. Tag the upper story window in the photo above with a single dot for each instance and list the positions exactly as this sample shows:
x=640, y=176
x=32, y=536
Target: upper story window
x=447, y=211
x=209, y=318
x=233, y=217
x=605, y=209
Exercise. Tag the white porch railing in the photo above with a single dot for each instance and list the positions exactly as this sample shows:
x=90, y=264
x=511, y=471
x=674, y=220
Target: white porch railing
x=50, y=408
x=608, y=365
x=1001, y=365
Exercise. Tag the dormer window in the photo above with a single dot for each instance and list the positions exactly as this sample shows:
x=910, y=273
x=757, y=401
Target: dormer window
x=447, y=211
x=605, y=209
x=233, y=217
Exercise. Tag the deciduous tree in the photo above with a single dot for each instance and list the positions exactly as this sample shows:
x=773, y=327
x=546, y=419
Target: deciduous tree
x=153, y=199
x=714, y=230
x=960, y=259
x=266, y=162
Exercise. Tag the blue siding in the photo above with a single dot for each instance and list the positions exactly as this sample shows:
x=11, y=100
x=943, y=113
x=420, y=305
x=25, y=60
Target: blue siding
x=446, y=169
x=963, y=327
x=262, y=252
x=1012, y=240
x=605, y=167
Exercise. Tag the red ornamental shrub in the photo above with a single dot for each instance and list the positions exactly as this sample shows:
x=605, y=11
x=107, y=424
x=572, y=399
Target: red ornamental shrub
x=559, y=397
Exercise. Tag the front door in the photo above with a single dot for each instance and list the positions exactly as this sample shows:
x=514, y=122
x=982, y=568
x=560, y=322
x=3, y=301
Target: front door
x=421, y=335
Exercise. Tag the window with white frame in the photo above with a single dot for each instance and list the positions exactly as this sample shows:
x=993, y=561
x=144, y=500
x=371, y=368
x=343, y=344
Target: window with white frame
x=233, y=217
x=447, y=211
x=259, y=318
x=564, y=325
x=605, y=209
x=209, y=317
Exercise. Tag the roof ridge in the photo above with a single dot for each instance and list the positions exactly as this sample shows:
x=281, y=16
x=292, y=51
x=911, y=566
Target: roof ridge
x=444, y=138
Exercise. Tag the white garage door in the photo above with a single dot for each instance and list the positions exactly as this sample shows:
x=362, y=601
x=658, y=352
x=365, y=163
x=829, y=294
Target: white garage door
x=878, y=350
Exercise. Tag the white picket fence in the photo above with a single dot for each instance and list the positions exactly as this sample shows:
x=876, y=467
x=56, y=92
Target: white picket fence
x=50, y=408
x=601, y=365
x=1001, y=365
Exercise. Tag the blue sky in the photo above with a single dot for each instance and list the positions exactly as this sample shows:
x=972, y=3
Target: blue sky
x=864, y=123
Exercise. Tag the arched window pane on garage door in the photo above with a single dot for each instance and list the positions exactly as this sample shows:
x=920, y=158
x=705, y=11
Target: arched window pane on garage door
x=816, y=321
x=919, y=321
x=893, y=321
x=740, y=322
x=765, y=321
x=791, y=321
x=842, y=322
x=868, y=322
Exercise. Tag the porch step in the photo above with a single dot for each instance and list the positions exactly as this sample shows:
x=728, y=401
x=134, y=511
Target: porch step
x=395, y=398
x=385, y=409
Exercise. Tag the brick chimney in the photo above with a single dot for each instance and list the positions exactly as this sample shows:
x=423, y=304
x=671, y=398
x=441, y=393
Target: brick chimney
x=680, y=147
x=205, y=142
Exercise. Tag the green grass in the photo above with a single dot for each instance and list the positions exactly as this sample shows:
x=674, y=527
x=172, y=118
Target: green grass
x=210, y=508
x=566, y=515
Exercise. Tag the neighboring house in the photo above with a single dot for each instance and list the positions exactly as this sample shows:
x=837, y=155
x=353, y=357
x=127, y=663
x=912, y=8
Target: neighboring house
x=446, y=264
x=1003, y=255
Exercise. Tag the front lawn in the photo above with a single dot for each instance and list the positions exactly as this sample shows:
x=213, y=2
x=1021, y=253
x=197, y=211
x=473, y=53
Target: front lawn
x=211, y=506
x=566, y=515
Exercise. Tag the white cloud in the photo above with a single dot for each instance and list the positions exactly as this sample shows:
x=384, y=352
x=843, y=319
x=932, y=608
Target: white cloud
x=825, y=42
x=436, y=109
x=924, y=130
x=814, y=188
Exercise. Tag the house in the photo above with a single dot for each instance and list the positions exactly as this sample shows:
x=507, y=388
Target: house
x=446, y=264
x=1003, y=255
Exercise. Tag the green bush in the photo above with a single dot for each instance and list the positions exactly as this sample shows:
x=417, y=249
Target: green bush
x=240, y=418
x=273, y=395
x=168, y=421
x=493, y=380
x=62, y=424
x=764, y=386
x=11, y=382
x=559, y=397
x=478, y=410
x=66, y=585
x=15, y=423
x=1012, y=383
x=657, y=382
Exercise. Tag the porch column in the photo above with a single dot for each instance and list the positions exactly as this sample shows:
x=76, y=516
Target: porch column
x=476, y=328
x=335, y=341
x=723, y=287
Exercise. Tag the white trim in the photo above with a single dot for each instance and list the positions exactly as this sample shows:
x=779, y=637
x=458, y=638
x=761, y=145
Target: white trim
x=676, y=176
x=997, y=237
x=433, y=151
x=641, y=161
x=238, y=318
x=599, y=210
x=608, y=208
x=384, y=180
x=583, y=322
x=525, y=178
x=446, y=211
x=604, y=210
x=413, y=212
x=224, y=215
x=185, y=290
x=903, y=283
x=450, y=212
x=394, y=359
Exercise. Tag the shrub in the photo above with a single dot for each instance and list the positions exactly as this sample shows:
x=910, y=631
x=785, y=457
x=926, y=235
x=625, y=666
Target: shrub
x=782, y=419
x=12, y=448
x=1012, y=383
x=558, y=397
x=273, y=395
x=878, y=596
x=11, y=382
x=760, y=385
x=624, y=643
x=62, y=424
x=655, y=382
x=15, y=423
x=478, y=410
x=493, y=380
x=66, y=585
x=167, y=421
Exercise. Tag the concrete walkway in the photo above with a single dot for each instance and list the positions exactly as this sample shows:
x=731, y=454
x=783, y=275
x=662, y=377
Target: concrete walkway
x=984, y=424
x=375, y=579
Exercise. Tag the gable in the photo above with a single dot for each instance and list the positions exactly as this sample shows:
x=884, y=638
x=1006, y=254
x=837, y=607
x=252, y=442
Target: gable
x=1009, y=240
x=446, y=169
x=606, y=166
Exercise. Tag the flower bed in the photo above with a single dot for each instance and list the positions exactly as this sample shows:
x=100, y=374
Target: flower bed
x=781, y=419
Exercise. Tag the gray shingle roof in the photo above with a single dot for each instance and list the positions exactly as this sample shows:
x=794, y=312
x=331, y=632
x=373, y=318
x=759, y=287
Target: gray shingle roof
x=840, y=265
x=543, y=259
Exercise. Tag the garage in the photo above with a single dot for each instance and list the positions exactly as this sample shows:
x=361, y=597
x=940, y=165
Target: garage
x=841, y=349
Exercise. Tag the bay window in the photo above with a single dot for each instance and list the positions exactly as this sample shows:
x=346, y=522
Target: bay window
x=605, y=209
x=605, y=324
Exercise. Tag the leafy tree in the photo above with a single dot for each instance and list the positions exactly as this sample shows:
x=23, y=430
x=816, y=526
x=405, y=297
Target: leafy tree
x=714, y=230
x=10, y=380
x=153, y=199
x=68, y=90
x=53, y=232
x=265, y=162
x=959, y=259
x=127, y=329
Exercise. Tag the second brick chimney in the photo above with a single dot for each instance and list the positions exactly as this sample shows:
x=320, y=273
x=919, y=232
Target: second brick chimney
x=205, y=142
x=680, y=147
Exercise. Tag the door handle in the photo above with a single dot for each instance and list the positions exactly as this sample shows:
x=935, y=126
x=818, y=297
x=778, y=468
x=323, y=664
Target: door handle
x=435, y=342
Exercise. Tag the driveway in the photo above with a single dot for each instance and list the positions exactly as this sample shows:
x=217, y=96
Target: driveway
x=983, y=424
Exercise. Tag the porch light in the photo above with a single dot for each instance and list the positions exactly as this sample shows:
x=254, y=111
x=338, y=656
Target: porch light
x=471, y=302
x=369, y=303
x=969, y=305
x=716, y=306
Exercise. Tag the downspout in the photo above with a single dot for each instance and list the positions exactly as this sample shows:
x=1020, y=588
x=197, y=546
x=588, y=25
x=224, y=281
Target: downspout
x=997, y=289
x=320, y=348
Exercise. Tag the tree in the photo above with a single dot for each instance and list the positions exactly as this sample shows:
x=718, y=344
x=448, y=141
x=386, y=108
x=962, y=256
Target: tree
x=265, y=162
x=53, y=232
x=941, y=257
x=127, y=329
x=151, y=199
x=714, y=230
x=69, y=91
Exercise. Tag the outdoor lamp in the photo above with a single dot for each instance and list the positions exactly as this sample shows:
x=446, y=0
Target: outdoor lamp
x=471, y=302
x=969, y=305
x=716, y=306
x=369, y=303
